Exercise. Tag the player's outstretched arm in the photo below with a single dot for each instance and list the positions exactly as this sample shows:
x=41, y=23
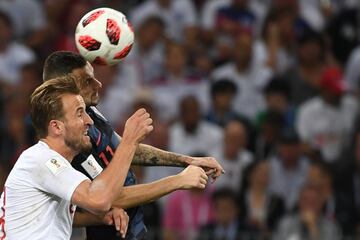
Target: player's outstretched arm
x=98, y=195
x=191, y=177
x=147, y=155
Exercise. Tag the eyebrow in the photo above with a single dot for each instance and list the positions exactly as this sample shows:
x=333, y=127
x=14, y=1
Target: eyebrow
x=80, y=109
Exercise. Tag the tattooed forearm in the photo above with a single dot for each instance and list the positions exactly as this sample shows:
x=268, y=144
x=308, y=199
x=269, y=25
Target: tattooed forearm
x=146, y=155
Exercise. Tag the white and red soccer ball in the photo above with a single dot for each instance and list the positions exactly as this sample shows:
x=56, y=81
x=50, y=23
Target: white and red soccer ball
x=104, y=36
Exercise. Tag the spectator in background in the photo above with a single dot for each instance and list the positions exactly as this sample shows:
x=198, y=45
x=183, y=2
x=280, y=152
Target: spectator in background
x=142, y=64
x=233, y=157
x=185, y=212
x=13, y=55
x=288, y=169
x=112, y=92
x=308, y=222
x=274, y=49
x=179, y=17
x=29, y=21
x=176, y=81
x=269, y=129
x=226, y=223
x=249, y=77
x=277, y=95
x=259, y=209
x=338, y=205
x=222, y=95
x=325, y=122
x=304, y=77
x=192, y=134
x=235, y=16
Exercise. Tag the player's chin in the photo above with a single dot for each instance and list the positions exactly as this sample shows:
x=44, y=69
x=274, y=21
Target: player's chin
x=95, y=100
x=86, y=146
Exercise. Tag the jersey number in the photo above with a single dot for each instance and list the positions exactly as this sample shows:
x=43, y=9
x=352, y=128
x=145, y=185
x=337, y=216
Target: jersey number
x=102, y=155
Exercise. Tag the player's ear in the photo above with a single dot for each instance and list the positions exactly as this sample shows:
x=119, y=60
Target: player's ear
x=56, y=127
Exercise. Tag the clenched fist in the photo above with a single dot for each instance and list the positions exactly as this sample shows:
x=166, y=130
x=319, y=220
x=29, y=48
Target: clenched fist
x=193, y=177
x=137, y=126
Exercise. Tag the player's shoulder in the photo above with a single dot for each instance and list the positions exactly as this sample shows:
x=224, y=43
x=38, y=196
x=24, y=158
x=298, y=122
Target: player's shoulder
x=38, y=151
x=35, y=157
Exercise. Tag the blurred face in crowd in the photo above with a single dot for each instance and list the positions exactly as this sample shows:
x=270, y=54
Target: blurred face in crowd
x=225, y=210
x=150, y=32
x=285, y=25
x=277, y=102
x=259, y=178
x=175, y=60
x=331, y=98
x=317, y=177
x=311, y=200
x=310, y=53
x=222, y=101
x=289, y=153
x=243, y=49
x=89, y=85
x=190, y=113
x=234, y=139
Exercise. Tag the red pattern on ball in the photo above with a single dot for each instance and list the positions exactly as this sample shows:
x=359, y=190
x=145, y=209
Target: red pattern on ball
x=89, y=43
x=113, y=31
x=92, y=17
x=123, y=53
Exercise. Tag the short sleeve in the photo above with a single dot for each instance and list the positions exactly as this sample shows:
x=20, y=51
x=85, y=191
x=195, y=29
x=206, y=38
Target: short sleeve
x=58, y=177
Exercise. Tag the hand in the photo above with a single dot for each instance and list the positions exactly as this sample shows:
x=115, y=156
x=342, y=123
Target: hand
x=193, y=177
x=119, y=218
x=308, y=217
x=210, y=165
x=137, y=126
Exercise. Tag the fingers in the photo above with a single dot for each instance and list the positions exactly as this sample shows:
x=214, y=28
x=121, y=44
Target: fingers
x=210, y=172
x=117, y=223
x=124, y=224
x=120, y=219
x=140, y=112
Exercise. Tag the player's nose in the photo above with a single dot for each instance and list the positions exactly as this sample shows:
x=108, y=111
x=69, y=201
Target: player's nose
x=88, y=120
x=98, y=84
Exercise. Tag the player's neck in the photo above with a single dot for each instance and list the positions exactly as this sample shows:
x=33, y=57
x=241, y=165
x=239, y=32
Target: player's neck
x=60, y=147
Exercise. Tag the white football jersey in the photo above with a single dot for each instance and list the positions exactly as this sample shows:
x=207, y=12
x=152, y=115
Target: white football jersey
x=35, y=203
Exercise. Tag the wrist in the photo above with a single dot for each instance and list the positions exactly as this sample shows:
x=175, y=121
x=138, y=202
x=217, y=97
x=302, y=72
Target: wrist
x=129, y=143
x=187, y=160
x=178, y=182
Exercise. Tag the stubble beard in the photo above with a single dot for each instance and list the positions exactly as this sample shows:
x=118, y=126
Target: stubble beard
x=78, y=145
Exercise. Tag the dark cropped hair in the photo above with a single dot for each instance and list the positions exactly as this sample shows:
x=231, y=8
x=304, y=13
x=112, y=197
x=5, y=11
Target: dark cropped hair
x=61, y=63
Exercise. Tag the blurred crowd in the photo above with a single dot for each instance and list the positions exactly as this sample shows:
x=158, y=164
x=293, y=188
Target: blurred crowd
x=270, y=88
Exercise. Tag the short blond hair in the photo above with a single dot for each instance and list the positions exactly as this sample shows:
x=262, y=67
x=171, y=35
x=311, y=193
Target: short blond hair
x=46, y=103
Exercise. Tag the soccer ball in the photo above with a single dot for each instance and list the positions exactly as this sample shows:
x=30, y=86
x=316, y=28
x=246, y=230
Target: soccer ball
x=104, y=36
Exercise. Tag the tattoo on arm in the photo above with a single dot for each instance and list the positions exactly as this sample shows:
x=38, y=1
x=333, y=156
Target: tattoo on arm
x=146, y=155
